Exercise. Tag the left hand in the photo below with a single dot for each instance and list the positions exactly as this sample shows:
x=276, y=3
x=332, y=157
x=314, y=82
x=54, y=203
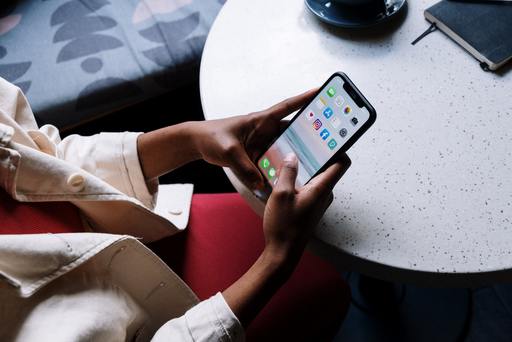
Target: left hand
x=236, y=142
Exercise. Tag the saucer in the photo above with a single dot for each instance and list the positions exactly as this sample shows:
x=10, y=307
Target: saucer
x=344, y=16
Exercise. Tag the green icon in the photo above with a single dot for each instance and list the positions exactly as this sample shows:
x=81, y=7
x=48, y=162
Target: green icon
x=265, y=163
x=271, y=172
x=332, y=144
x=331, y=91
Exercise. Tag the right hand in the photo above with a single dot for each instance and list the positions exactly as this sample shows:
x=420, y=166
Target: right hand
x=288, y=222
x=291, y=214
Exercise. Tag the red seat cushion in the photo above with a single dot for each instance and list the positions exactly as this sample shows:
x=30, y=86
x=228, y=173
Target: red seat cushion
x=223, y=240
x=37, y=217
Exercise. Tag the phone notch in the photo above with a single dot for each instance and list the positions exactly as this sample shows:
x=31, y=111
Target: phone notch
x=354, y=95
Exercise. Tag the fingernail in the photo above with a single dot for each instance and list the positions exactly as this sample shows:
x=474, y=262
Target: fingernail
x=290, y=158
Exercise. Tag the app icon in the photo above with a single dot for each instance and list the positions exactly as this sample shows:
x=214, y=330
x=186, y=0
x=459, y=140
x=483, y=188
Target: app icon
x=310, y=115
x=331, y=91
x=265, y=163
x=343, y=132
x=324, y=134
x=271, y=172
x=317, y=124
x=354, y=121
x=335, y=122
x=332, y=144
x=328, y=112
x=339, y=100
x=347, y=110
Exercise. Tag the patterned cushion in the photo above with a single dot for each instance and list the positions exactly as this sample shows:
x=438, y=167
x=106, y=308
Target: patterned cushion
x=79, y=59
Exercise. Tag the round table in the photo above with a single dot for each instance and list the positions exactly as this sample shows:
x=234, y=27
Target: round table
x=429, y=193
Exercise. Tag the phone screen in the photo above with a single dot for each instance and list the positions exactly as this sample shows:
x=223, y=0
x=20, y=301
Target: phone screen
x=316, y=133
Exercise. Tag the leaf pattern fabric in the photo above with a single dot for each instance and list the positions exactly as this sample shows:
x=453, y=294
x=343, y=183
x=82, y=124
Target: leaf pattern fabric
x=78, y=59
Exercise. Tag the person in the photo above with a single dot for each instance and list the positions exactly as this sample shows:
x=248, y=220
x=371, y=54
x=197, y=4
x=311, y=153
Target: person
x=99, y=197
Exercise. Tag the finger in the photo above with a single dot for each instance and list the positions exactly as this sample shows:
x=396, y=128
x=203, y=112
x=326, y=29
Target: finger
x=327, y=201
x=246, y=171
x=291, y=104
x=283, y=124
x=325, y=182
x=287, y=175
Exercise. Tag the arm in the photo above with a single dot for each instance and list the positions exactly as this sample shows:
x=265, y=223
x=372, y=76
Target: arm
x=289, y=219
x=166, y=149
x=234, y=142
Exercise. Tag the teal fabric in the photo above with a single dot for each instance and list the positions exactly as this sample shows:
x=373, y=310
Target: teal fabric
x=79, y=59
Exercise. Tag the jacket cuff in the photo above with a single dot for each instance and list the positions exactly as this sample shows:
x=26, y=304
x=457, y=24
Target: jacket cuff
x=213, y=320
x=144, y=191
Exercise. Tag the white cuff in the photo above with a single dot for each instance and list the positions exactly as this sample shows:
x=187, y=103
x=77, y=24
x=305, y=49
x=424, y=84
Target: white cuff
x=213, y=320
x=210, y=320
x=140, y=188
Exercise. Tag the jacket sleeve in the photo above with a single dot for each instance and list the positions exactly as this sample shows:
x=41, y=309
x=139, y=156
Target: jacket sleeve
x=113, y=157
x=210, y=320
x=110, y=156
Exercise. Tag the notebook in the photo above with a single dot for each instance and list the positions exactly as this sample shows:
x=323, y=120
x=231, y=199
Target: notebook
x=483, y=28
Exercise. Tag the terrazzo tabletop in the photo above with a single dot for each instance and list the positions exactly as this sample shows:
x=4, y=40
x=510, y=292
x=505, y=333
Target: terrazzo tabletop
x=430, y=187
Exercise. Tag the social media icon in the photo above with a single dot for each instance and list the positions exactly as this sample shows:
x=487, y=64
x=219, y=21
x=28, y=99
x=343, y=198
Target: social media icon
x=339, y=100
x=343, y=132
x=354, y=121
x=335, y=122
x=347, y=110
x=317, y=124
x=310, y=115
x=331, y=91
x=324, y=134
x=271, y=172
x=265, y=163
x=332, y=144
x=328, y=112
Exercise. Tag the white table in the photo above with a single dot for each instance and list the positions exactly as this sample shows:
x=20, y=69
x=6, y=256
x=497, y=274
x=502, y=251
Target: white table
x=429, y=193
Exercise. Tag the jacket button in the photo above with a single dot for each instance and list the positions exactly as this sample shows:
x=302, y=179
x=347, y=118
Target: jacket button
x=76, y=182
x=175, y=211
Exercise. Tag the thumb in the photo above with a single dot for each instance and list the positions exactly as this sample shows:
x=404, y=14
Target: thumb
x=288, y=174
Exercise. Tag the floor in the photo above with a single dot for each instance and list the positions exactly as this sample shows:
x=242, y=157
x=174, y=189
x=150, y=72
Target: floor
x=425, y=314
x=380, y=311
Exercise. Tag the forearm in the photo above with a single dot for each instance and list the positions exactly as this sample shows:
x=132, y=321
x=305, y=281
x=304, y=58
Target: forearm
x=166, y=149
x=249, y=294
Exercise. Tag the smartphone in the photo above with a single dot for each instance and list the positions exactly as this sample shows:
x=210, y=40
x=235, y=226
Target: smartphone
x=323, y=129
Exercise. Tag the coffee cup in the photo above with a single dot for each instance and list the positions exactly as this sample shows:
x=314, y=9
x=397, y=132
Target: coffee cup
x=362, y=8
x=355, y=13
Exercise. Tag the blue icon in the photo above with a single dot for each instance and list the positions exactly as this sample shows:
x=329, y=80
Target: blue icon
x=325, y=134
x=328, y=112
x=332, y=144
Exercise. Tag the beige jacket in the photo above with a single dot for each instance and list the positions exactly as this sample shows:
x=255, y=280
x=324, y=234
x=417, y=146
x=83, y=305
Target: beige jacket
x=103, y=285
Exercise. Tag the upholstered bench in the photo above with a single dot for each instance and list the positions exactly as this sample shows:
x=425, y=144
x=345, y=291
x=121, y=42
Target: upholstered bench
x=80, y=59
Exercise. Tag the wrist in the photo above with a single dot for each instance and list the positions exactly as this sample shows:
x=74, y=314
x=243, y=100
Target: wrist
x=192, y=133
x=280, y=261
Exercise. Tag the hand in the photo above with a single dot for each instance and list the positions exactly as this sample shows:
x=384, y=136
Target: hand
x=236, y=142
x=291, y=214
